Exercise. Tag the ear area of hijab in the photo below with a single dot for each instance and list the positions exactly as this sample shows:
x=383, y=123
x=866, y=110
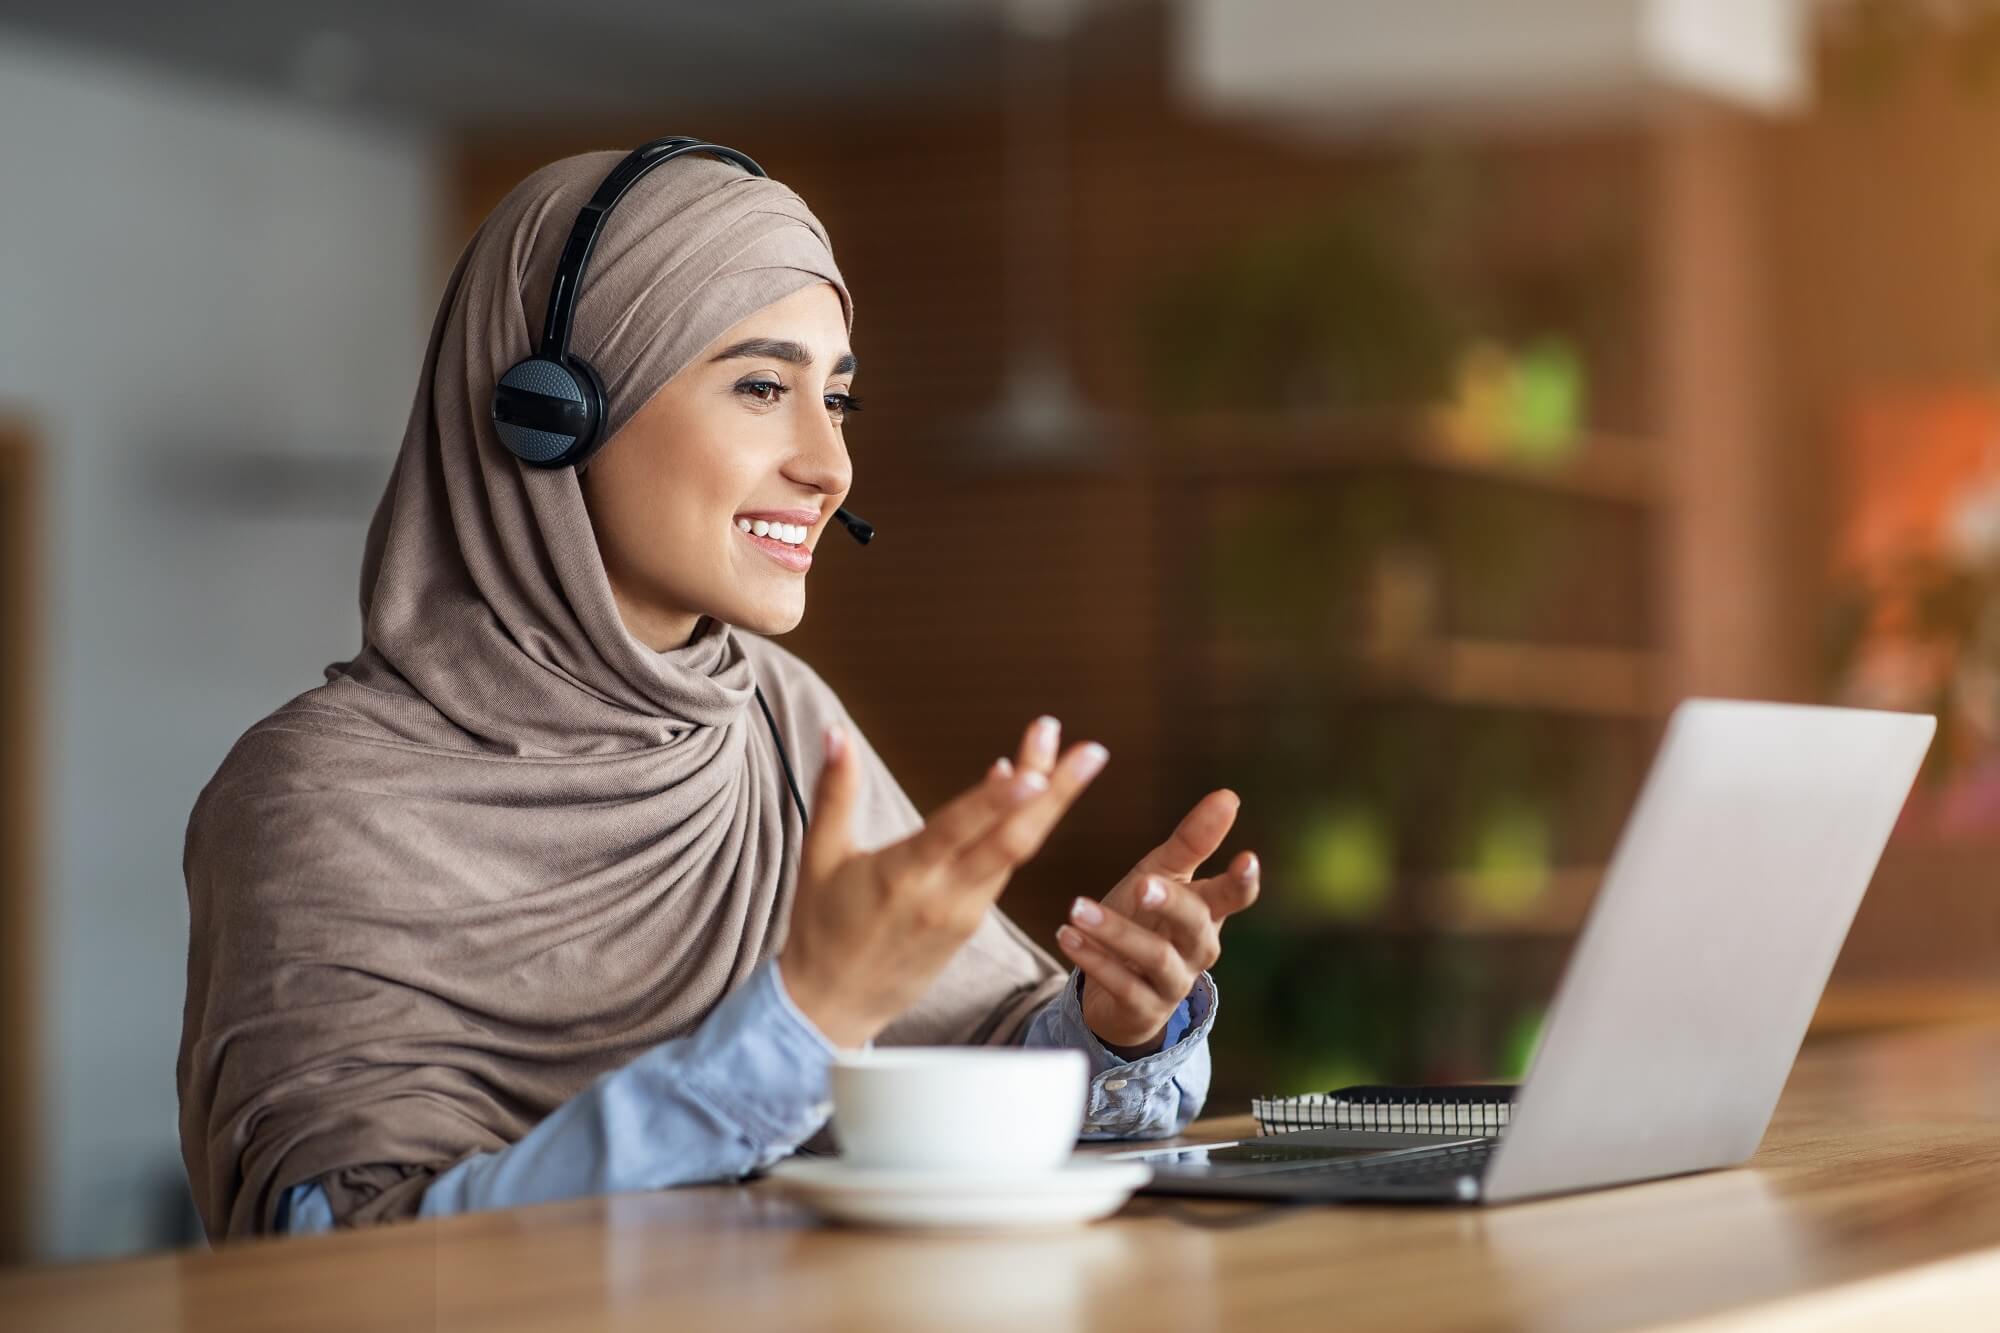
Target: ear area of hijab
x=549, y=409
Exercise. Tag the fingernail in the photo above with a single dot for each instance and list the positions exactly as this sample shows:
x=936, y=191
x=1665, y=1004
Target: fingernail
x=836, y=741
x=1153, y=894
x=1068, y=936
x=1004, y=766
x=1091, y=760
x=1028, y=783
x=1086, y=911
x=1251, y=869
x=1047, y=731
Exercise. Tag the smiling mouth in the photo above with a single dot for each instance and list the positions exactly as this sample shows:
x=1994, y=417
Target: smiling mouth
x=795, y=558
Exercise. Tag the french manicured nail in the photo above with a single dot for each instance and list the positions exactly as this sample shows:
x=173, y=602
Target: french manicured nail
x=1251, y=869
x=1068, y=936
x=1086, y=911
x=1153, y=894
x=1047, y=731
x=1028, y=783
x=1091, y=760
x=836, y=741
x=1004, y=766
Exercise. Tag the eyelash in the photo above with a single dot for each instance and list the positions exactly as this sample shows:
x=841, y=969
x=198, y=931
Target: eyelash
x=848, y=402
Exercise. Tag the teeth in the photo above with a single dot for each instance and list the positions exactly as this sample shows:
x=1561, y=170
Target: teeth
x=792, y=534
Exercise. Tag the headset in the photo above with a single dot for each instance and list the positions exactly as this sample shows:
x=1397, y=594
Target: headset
x=548, y=409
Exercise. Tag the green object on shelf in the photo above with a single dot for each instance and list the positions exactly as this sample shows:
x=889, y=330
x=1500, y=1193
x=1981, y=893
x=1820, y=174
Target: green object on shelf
x=1345, y=861
x=1510, y=860
x=1546, y=403
x=1517, y=1049
x=1327, y=1075
x=1523, y=405
x=1481, y=410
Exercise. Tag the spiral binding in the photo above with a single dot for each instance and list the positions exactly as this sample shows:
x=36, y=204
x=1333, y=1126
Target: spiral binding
x=1428, y=1111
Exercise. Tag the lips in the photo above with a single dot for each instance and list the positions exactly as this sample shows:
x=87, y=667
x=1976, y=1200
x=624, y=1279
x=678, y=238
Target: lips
x=795, y=558
x=805, y=518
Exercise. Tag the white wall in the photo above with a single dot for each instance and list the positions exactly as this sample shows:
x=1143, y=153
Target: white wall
x=181, y=265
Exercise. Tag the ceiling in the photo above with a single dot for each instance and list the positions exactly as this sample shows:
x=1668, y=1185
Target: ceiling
x=476, y=64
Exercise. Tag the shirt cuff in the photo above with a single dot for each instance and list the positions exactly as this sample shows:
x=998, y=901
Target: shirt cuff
x=1175, y=1050
x=762, y=1064
x=1152, y=1096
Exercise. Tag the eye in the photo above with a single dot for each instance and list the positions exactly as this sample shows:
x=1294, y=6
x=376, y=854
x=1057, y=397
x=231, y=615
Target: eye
x=840, y=404
x=764, y=391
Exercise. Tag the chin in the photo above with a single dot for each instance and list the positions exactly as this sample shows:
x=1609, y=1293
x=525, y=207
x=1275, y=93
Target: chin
x=767, y=620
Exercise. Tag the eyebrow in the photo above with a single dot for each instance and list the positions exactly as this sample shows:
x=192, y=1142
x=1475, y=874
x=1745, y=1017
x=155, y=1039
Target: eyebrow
x=781, y=349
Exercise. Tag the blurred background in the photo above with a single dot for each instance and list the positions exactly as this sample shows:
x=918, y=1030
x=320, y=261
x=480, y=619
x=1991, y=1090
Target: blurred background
x=1386, y=410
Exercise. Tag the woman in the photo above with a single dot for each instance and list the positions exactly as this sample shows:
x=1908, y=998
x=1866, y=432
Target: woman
x=514, y=907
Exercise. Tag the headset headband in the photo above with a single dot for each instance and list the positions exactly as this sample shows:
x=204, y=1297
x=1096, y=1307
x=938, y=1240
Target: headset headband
x=590, y=221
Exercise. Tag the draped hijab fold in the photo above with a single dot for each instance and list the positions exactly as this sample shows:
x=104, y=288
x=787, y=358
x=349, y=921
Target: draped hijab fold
x=507, y=847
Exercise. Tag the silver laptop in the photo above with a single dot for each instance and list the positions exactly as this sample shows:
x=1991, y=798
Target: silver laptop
x=1688, y=992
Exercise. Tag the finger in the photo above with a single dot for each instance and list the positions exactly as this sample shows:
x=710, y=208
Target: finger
x=1039, y=744
x=963, y=820
x=1148, y=953
x=1181, y=914
x=1231, y=892
x=829, y=837
x=1195, y=838
x=1021, y=833
x=1110, y=974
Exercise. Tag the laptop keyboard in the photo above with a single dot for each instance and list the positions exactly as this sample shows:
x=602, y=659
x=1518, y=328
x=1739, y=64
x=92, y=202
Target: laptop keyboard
x=1422, y=1169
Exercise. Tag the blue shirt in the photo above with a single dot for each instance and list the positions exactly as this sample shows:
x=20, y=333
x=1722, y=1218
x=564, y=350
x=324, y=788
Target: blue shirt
x=748, y=1085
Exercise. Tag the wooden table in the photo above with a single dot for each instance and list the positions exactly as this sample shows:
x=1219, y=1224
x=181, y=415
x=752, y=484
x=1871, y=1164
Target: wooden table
x=1873, y=1203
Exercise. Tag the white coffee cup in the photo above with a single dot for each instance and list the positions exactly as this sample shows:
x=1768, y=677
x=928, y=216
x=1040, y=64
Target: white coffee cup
x=958, y=1108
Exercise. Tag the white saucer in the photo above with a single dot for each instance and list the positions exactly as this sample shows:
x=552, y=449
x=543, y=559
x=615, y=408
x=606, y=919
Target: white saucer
x=1080, y=1191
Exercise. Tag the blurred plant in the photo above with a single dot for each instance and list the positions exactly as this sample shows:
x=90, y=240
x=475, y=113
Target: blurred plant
x=1509, y=868
x=1290, y=566
x=1346, y=1012
x=1928, y=639
x=1925, y=634
x=1453, y=997
x=1321, y=314
x=1346, y=861
x=1517, y=1048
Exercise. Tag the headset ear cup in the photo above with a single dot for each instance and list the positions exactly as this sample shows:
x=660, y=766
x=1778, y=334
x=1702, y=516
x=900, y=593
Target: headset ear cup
x=593, y=386
x=545, y=413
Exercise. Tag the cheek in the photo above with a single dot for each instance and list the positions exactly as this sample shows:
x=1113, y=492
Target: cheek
x=641, y=517
x=673, y=497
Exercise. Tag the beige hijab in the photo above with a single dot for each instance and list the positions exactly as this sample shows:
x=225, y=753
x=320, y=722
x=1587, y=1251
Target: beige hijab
x=508, y=847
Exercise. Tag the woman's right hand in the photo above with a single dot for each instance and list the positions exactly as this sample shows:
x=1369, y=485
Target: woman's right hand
x=870, y=931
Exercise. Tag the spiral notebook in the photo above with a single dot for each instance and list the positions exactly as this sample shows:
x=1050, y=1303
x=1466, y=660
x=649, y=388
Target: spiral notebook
x=1446, y=1108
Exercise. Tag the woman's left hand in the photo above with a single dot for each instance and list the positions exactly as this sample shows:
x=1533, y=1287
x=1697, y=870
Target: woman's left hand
x=1141, y=948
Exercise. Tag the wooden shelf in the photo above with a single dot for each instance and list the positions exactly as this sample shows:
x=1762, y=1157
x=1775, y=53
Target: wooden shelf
x=1860, y=1006
x=1604, y=467
x=1561, y=678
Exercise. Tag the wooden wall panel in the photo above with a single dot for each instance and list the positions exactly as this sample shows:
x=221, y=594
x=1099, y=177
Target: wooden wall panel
x=20, y=813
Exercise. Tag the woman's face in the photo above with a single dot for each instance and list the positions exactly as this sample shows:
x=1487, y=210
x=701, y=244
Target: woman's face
x=749, y=429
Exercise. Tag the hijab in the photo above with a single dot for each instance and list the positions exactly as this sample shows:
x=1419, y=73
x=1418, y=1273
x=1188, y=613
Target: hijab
x=508, y=847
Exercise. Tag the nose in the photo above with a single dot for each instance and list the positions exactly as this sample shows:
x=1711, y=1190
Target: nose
x=819, y=454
